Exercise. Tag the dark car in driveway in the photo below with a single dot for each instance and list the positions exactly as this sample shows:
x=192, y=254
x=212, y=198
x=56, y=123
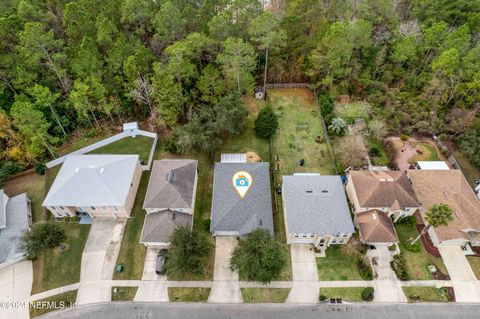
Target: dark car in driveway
x=161, y=260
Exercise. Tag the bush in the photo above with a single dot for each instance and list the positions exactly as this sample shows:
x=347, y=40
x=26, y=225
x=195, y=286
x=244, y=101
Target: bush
x=407, y=220
x=259, y=257
x=375, y=151
x=42, y=237
x=171, y=145
x=323, y=297
x=90, y=133
x=364, y=269
x=413, y=247
x=206, y=224
x=266, y=123
x=7, y=169
x=400, y=267
x=326, y=107
x=367, y=294
x=392, y=247
x=40, y=168
x=404, y=137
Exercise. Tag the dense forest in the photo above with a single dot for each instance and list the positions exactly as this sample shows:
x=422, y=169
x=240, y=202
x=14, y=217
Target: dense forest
x=183, y=65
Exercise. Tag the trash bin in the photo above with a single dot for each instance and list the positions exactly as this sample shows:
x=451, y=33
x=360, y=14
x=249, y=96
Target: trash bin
x=119, y=268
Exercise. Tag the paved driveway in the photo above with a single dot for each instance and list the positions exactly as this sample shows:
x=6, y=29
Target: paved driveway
x=16, y=285
x=152, y=287
x=387, y=286
x=464, y=282
x=225, y=287
x=305, y=276
x=98, y=260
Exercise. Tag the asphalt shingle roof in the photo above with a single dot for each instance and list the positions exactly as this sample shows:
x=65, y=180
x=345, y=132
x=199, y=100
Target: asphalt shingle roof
x=158, y=227
x=316, y=204
x=376, y=227
x=171, y=184
x=232, y=213
x=93, y=180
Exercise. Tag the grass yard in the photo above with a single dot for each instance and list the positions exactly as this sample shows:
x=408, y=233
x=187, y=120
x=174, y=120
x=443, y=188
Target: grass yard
x=346, y=293
x=382, y=159
x=469, y=170
x=140, y=145
x=337, y=265
x=352, y=110
x=265, y=295
x=34, y=186
x=429, y=153
x=54, y=268
x=417, y=262
x=426, y=294
x=475, y=264
x=188, y=294
x=299, y=125
x=123, y=293
x=67, y=298
x=132, y=252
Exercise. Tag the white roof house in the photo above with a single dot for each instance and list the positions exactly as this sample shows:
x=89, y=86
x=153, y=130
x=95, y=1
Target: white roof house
x=93, y=180
x=432, y=165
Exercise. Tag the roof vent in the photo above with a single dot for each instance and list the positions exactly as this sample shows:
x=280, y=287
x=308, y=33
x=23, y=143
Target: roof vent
x=309, y=192
x=383, y=180
x=77, y=169
x=374, y=217
x=324, y=191
x=445, y=194
x=390, y=179
x=101, y=170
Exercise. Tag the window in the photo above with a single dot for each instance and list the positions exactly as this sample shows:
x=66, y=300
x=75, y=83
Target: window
x=341, y=241
x=345, y=235
x=334, y=241
x=322, y=240
x=61, y=207
x=304, y=235
x=104, y=208
x=93, y=207
x=115, y=207
x=312, y=235
x=295, y=236
x=337, y=235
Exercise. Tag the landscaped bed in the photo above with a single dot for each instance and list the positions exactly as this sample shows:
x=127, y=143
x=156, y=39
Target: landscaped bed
x=67, y=298
x=345, y=293
x=427, y=153
x=265, y=295
x=417, y=262
x=426, y=294
x=123, y=293
x=139, y=144
x=188, y=294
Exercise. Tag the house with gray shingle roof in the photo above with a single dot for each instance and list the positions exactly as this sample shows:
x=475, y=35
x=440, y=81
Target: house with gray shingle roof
x=316, y=210
x=170, y=199
x=15, y=218
x=233, y=214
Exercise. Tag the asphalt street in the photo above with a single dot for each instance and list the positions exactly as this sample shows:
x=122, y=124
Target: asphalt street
x=267, y=311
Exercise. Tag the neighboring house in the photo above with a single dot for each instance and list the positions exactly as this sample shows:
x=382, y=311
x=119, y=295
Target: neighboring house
x=233, y=214
x=170, y=200
x=15, y=218
x=449, y=187
x=431, y=165
x=316, y=210
x=98, y=185
x=376, y=228
x=388, y=191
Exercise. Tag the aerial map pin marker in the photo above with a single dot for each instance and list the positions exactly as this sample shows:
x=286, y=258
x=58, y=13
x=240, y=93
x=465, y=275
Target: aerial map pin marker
x=242, y=181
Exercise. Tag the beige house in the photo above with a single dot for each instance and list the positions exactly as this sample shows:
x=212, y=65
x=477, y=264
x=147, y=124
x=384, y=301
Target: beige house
x=99, y=185
x=388, y=191
x=451, y=188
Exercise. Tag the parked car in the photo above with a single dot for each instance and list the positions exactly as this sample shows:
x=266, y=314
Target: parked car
x=161, y=259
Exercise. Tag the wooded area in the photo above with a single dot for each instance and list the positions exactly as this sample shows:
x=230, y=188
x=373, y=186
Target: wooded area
x=184, y=65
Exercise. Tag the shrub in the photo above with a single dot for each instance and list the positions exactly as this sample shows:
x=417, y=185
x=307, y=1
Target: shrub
x=392, y=247
x=323, y=297
x=400, y=267
x=413, y=247
x=375, y=151
x=7, y=169
x=171, y=145
x=206, y=224
x=407, y=220
x=367, y=294
x=266, y=123
x=40, y=168
x=404, y=137
x=326, y=107
x=90, y=133
x=364, y=269
x=42, y=237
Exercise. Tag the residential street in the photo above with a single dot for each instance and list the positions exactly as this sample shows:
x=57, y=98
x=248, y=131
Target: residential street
x=225, y=288
x=305, y=276
x=130, y=310
x=98, y=260
x=15, y=286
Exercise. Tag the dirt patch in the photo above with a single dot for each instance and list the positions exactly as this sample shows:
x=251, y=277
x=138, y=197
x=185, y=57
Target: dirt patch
x=253, y=157
x=302, y=96
x=253, y=105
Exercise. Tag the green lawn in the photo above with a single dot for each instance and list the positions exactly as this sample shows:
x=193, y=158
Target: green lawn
x=265, y=295
x=469, y=170
x=66, y=299
x=337, y=265
x=140, y=145
x=123, y=293
x=382, y=159
x=299, y=125
x=188, y=294
x=426, y=294
x=346, y=293
x=54, y=268
x=429, y=153
x=132, y=252
x=417, y=262
x=352, y=110
x=475, y=264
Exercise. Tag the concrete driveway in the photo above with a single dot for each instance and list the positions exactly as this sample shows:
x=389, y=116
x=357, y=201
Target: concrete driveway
x=225, y=287
x=15, y=286
x=152, y=287
x=387, y=286
x=465, y=284
x=305, y=276
x=98, y=260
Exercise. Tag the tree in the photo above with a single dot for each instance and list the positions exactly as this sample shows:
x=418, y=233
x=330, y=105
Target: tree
x=258, y=257
x=44, y=100
x=436, y=216
x=266, y=122
x=188, y=252
x=238, y=62
x=169, y=23
x=42, y=237
x=377, y=129
x=338, y=126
